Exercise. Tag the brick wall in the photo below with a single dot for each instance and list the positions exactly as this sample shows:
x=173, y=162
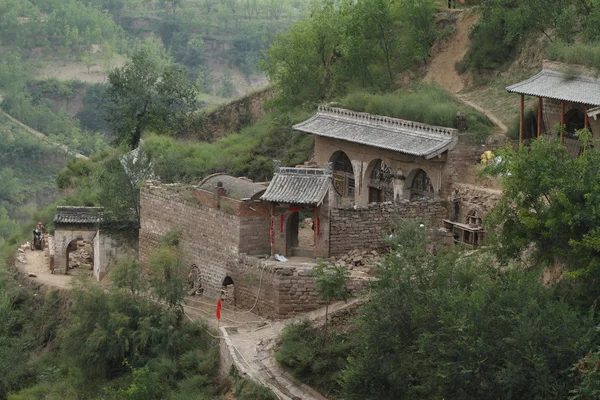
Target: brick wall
x=209, y=235
x=364, y=228
x=285, y=291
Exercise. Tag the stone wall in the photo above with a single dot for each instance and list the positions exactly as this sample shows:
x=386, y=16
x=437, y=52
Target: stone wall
x=209, y=235
x=214, y=230
x=482, y=200
x=365, y=228
x=283, y=290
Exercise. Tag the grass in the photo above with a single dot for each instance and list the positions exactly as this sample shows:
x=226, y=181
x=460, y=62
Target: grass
x=587, y=54
x=424, y=102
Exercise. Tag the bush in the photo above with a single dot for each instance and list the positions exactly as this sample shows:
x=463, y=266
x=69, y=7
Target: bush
x=314, y=358
x=246, y=389
x=449, y=326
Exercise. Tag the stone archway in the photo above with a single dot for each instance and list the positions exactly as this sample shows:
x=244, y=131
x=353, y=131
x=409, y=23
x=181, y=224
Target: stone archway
x=418, y=185
x=343, y=177
x=379, y=182
x=228, y=291
x=64, y=238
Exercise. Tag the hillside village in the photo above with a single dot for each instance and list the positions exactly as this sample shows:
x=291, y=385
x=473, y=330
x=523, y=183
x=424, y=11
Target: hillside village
x=361, y=224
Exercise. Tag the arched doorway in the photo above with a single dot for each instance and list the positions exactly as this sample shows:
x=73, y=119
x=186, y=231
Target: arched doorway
x=343, y=176
x=228, y=291
x=299, y=235
x=380, y=182
x=80, y=257
x=420, y=185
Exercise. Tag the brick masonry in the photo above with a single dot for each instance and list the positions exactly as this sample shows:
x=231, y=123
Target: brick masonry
x=213, y=230
x=365, y=228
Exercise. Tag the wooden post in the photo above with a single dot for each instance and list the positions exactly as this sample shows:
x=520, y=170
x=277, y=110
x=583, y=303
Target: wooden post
x=522, y=120
x=539, y=117
x=562, y=122
x=586, y=118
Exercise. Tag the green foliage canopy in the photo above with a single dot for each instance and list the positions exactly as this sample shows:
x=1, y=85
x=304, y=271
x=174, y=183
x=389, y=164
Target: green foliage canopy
x=145, y=95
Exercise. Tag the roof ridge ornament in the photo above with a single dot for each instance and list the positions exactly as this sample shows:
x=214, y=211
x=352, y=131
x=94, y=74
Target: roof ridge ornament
x=385, y=120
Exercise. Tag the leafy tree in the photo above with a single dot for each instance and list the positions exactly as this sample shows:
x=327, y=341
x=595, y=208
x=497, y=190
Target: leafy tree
x=330, y=284
x=128, y=275
x=550, y=200
x=442, y=325
x=146, y=95
x=169, y=274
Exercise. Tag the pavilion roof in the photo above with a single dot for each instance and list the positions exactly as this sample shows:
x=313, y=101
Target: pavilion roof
x=558, y=86
x=394, y=134
x=298, y=185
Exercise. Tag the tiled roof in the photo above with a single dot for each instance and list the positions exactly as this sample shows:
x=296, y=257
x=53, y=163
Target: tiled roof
x=235, y=188
x=78, y=215
x=558, y=86
x=382, y=132
x=298, y=186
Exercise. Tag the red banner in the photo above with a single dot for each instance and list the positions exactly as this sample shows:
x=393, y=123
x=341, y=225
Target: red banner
x=272, y=230
x=317, y=226
x=281, y=223
x=218, y=313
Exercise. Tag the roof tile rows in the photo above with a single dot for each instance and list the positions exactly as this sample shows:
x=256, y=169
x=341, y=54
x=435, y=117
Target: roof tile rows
x=298, y=186
x=383, y=132
x=78, y=215
x=558, y=86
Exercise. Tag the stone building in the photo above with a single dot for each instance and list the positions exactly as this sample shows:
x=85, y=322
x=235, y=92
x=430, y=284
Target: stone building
x=563, y=99
x=218, y=219
x=73, y=225
x=380, y=159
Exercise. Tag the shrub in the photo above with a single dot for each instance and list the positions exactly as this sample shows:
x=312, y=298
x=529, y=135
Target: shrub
x=314, y=358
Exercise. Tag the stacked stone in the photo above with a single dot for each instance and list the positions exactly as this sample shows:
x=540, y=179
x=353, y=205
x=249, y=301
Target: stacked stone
x=357, y=260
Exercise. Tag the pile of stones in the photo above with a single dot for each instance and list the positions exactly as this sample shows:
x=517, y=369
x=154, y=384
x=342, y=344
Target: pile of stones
x=357, y=260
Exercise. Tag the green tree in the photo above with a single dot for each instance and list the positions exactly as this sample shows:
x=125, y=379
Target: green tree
x=550, y=200
x=445, y=325
x=147, y=95
x=168, y=274
x=331, y=283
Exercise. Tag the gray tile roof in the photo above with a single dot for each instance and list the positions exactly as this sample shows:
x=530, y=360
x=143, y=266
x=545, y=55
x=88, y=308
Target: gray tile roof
x=298, y=185
x=236, y=188
x=382, y=132
x=78, y=215
x=558, y=86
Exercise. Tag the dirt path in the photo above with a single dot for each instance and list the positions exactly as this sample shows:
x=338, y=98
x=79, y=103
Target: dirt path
x=442, y=66
x=43, y=136
x=256, y=345
x=36, y=262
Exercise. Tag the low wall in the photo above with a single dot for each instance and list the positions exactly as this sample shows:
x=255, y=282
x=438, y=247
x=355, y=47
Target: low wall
x=364, y=229
x=283, y=291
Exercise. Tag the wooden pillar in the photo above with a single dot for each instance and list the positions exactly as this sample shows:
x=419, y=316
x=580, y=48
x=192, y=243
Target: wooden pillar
x=539, y=117
x=586, y=118
x=522, y=119
x=562, y=122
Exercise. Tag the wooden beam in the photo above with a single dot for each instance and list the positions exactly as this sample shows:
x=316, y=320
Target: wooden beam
x=562, y=122
x=522, y=119
x=539, y=117
x=586, y=118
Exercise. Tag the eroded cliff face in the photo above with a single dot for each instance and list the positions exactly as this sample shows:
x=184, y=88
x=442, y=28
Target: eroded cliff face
x=232, y=117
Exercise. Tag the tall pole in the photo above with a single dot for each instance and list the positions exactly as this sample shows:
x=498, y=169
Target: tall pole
x=522, y=120
x=539, y=117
